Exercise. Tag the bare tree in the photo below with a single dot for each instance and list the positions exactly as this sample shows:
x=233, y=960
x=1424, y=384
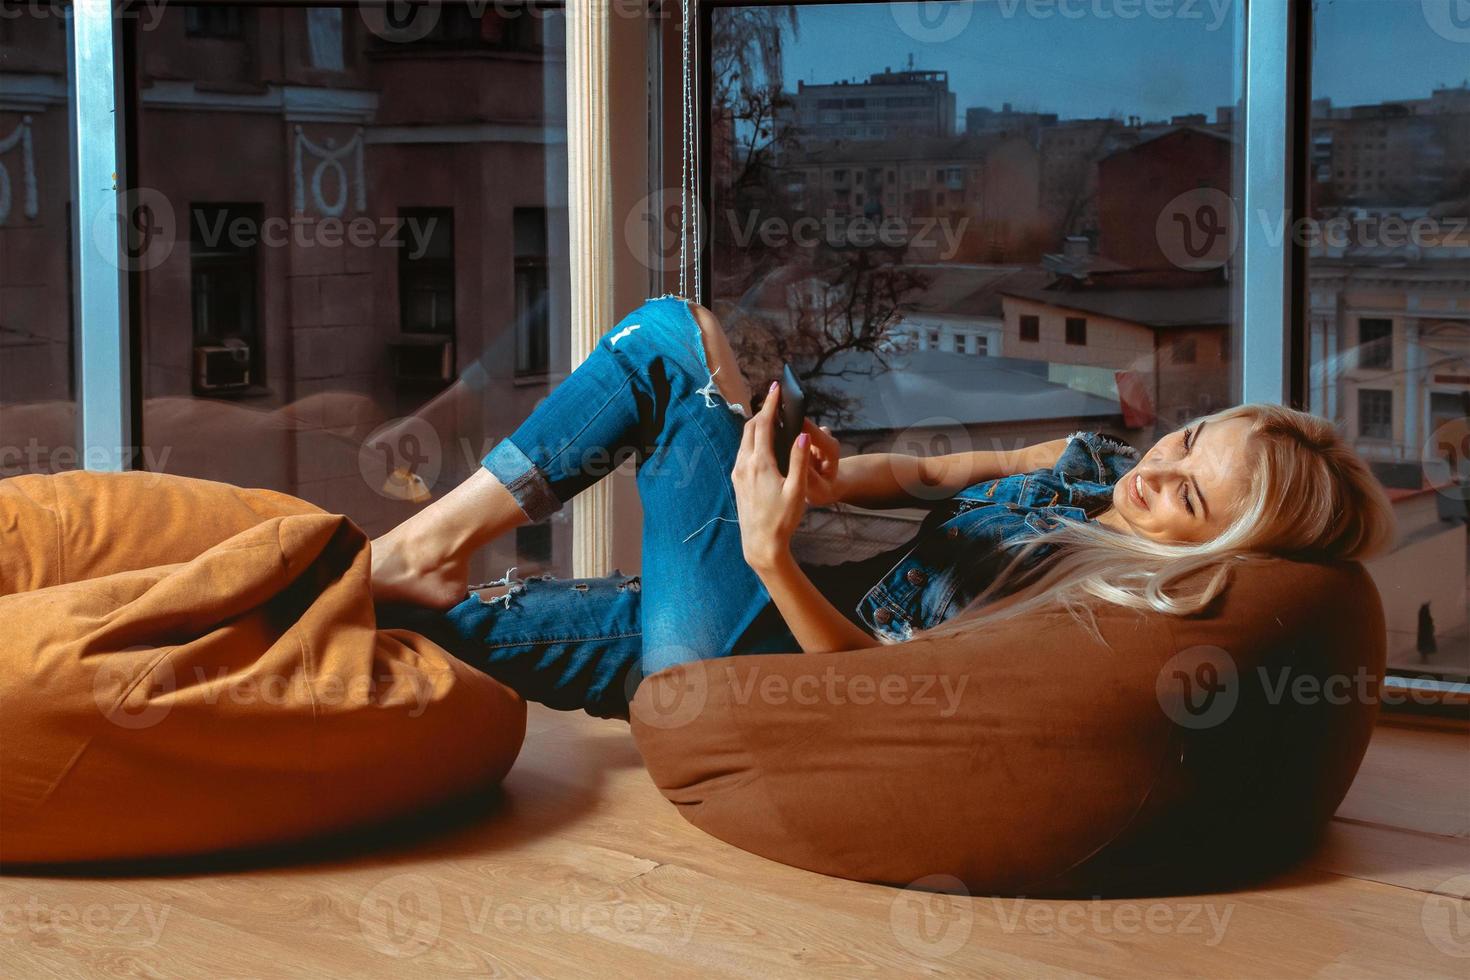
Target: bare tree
x=862, y=288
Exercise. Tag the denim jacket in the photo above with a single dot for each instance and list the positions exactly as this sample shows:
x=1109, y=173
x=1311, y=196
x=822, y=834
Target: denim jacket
x=960, y=547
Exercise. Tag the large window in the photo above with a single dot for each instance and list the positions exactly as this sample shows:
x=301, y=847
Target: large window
x=1062, y=194
x=38, y=418
x=1389, y=294
x=342, y=326
x=911, y=218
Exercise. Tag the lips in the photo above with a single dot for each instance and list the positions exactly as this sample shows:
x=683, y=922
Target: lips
x=1135, y=491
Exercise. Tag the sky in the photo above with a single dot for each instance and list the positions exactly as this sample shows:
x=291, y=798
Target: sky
x=1171, y=57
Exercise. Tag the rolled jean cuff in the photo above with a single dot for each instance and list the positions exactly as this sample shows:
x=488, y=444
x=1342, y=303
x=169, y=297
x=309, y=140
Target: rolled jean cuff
x=523, y=478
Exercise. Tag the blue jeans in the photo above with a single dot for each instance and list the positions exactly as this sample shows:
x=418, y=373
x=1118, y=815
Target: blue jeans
x=645, y=391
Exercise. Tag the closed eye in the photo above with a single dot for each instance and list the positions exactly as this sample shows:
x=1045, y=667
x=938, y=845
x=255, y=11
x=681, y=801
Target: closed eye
x=1190, y=437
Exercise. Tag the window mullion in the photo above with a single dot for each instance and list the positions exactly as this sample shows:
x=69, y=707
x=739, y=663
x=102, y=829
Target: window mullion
x=1265, y=235
x=102, y=367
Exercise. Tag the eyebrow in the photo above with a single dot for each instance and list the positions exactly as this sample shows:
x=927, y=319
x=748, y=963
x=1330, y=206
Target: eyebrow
x=1193, y=445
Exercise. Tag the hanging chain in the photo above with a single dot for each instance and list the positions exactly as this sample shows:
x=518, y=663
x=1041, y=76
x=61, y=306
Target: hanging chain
x=689, y=223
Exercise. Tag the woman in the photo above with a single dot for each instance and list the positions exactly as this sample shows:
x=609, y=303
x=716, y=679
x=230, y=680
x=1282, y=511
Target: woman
x=1066, y=522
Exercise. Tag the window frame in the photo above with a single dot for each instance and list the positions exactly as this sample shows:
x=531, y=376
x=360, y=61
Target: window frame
x=1032, y=320
x=1270, y=293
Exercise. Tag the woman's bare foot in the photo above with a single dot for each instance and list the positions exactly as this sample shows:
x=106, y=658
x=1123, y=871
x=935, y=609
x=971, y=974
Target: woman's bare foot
x=426, y=559
x=405, y=571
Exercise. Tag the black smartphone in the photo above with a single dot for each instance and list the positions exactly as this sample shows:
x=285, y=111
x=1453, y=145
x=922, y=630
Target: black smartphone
x=789, y=416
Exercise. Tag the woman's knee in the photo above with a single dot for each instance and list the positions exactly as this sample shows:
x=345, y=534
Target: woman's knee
x=721, y=357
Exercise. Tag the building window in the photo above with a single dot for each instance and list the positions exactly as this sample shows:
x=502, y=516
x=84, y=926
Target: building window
x=1030, y=328
x=1375, y=343
x=426, y=271
x=933, y=339
x=532, y=292
x=224, y=254
x=1184, y=350
x=461, y=26
x=1077, y=330
x=216, y=23
x=1375, y=414
x=324, y=38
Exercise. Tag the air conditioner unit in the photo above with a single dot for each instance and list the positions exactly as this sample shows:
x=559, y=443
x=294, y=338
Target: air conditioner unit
x=222, y=367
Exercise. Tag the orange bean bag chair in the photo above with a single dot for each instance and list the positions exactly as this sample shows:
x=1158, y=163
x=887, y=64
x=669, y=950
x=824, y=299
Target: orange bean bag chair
x=190, y=667
x=1030, y=758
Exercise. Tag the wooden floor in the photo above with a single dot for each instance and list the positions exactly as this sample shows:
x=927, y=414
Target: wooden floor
x=582, y=869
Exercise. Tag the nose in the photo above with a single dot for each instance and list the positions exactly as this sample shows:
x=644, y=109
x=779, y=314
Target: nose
x=1157, y=476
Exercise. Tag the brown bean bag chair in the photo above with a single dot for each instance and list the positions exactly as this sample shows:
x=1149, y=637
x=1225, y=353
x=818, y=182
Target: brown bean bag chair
x=188, y=667
x=1031, y=759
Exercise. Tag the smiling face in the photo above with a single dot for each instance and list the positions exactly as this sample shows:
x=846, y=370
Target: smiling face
x=1189, y=486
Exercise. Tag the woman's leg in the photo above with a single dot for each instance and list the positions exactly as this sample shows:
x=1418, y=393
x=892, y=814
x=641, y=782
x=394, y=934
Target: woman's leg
x=425, y=559
x=646, y=388
x=566, y=643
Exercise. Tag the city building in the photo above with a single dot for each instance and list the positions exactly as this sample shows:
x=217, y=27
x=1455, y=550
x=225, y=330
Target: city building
x=905, y=104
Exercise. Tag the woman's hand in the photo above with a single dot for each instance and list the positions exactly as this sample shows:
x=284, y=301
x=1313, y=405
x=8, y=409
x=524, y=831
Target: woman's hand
x=770, y=506
x=822, y=486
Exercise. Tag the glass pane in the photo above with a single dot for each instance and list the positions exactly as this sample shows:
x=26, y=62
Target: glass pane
x=37, y=398
x=971, y=226
x=355, y=310
x=1389, y=274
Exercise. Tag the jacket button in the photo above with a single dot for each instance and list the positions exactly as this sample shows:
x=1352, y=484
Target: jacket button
x=883, y=615
x=953, y=532
x=916, y=576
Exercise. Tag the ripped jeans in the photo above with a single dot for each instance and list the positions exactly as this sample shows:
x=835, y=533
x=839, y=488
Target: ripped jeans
x=645, y=391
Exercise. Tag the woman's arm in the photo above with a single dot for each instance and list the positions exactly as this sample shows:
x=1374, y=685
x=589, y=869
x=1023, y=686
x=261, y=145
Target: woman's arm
x=814, y=621
x=880, y=480
x=770, y=508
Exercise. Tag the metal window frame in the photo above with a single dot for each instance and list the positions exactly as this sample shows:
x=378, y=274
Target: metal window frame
x=1269, y=288
x=1270, y=293
x=104, y=378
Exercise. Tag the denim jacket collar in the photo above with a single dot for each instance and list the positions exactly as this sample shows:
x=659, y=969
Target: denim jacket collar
x=963, y=544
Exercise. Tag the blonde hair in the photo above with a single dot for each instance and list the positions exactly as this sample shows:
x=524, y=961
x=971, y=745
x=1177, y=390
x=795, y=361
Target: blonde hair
x=1310, y=497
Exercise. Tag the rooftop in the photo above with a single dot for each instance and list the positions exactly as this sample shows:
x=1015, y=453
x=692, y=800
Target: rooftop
x=1202, y=306
x=939, y=388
